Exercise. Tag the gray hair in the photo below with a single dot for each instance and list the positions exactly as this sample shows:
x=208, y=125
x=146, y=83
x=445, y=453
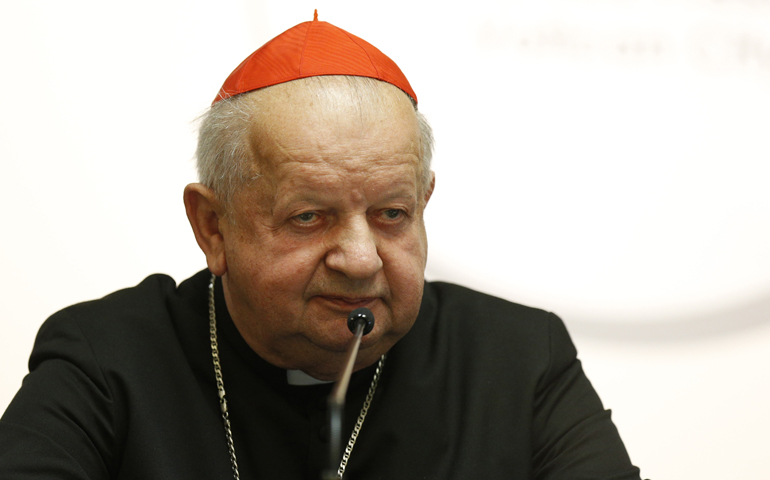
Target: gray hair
x=224, y=154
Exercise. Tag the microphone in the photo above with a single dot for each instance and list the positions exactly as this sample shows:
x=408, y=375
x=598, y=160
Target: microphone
x=360, y=323
x=359, y=315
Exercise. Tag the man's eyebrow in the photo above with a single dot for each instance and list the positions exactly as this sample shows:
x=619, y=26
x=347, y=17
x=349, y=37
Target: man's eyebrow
x=410, y=196
x=298, y=197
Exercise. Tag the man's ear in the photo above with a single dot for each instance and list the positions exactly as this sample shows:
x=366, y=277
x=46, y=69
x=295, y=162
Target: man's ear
x=205, y=212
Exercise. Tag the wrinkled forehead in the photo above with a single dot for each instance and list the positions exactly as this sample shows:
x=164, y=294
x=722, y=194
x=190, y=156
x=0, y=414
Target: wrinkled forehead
x=331, y=114
x=332, y=96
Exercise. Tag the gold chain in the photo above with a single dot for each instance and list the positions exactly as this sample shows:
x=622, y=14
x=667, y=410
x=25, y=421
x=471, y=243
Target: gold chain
x=361, y=417
x=220, y=381
x=223, y=402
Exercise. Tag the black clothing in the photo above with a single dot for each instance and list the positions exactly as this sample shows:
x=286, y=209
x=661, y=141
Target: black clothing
x=480, y=388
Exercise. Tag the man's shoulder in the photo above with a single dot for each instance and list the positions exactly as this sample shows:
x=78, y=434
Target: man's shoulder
x=153, y=297
x=478, y=337
x=132, y=318
x=458, y=301
x=454, y=313
x=126, y=301
x=477, y=318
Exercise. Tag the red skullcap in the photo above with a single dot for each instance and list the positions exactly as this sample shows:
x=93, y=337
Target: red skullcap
x=312, y=49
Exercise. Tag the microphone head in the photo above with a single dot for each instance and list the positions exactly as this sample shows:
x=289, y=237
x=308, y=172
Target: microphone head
x=359, y=315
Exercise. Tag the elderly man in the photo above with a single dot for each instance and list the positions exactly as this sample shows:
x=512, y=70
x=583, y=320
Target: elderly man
x=315, y=173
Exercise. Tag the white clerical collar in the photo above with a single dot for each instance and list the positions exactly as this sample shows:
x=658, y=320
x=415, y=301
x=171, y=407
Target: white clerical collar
x=300, y=378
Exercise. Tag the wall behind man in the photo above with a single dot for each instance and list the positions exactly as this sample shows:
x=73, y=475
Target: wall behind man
x=603, y=160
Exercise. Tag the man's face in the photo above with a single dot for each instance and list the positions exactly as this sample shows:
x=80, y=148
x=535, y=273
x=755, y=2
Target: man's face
x=333, y=222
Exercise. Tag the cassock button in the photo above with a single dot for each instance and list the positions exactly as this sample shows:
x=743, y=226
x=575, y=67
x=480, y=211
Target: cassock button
x=324, y=434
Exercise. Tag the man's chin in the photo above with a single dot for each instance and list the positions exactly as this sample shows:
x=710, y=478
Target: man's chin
x=338, y=340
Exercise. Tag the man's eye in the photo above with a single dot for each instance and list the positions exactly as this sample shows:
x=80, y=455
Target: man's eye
x=393, y=213
x=306, y=217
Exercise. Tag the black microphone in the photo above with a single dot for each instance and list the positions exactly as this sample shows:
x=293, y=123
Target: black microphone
x=359, y=315
x=360, y=323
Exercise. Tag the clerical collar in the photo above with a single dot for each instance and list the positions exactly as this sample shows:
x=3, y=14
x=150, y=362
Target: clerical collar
x=300, y=378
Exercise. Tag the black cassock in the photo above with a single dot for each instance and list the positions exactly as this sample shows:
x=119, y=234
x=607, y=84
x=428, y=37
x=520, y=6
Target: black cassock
x=480, y=388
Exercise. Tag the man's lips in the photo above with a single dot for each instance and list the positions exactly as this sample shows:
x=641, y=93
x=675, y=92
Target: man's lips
x=346, y=302
x=340, y=306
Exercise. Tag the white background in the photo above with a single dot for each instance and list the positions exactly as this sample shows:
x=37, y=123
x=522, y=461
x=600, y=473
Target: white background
x=605, y=160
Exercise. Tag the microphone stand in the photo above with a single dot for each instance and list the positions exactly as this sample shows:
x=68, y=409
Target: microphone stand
x=360, y=322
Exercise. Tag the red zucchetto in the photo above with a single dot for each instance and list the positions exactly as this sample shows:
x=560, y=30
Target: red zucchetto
x=312, y=49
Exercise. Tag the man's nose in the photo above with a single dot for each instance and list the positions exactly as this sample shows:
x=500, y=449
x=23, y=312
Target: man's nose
x=354, y=251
